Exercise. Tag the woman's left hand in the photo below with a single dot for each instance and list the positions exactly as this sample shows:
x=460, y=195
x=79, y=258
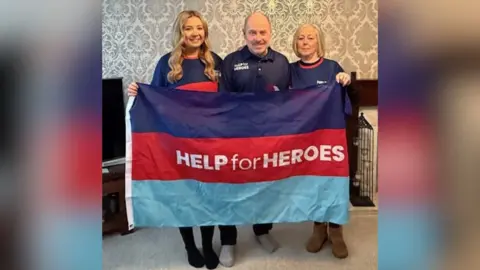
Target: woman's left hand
x=343, y=78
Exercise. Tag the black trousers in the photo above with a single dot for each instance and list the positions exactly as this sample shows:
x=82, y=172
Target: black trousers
x=189, y=240
x=261, y=229
x=228, y=235
x=331, y=225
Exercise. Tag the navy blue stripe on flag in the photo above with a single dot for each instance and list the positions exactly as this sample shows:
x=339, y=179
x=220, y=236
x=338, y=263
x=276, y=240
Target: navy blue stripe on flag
x=192, y=114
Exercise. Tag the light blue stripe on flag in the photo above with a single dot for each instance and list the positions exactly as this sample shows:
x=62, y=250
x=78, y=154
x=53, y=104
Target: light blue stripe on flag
x=193, y=203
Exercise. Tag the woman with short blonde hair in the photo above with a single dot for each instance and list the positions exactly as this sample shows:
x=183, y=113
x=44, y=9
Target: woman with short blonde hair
x=311, y=70
x=320, y=44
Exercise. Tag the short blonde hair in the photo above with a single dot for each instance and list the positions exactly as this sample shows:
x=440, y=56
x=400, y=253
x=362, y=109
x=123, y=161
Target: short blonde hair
x=319, y=35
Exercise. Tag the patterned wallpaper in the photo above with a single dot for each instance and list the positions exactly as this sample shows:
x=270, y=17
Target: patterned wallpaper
x=136, y=33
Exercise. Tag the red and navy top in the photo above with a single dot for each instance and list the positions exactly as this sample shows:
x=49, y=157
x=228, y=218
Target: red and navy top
x=321, y=72
x=193, y=77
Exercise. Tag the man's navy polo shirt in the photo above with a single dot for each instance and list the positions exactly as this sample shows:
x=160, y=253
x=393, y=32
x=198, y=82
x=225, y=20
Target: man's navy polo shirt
x=242, y=71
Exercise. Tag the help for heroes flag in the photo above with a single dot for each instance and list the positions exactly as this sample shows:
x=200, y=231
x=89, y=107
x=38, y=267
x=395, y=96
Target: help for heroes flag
x=196, y=158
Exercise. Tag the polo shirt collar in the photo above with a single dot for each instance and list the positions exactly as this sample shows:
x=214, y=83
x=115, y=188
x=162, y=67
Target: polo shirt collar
x=246, y=54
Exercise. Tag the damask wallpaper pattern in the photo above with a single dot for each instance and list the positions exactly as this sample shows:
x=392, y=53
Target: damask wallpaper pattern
x=136, y=33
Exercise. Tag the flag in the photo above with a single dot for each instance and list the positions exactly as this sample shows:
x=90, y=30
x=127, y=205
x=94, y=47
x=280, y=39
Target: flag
x=198, y=158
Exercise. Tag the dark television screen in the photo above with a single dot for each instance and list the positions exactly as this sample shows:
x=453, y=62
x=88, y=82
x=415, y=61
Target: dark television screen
x=113, y=119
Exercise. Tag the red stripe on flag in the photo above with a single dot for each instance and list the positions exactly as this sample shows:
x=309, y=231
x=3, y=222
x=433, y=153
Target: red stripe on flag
x=200, y=86
x=160, y=156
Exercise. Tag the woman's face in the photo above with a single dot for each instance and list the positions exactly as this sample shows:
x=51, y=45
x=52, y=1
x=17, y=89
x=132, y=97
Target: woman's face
x=307, y=42
x=194, y=33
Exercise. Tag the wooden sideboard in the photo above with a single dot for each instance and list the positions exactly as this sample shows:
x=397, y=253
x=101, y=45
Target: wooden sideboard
x=367, y=89
x=113, y=182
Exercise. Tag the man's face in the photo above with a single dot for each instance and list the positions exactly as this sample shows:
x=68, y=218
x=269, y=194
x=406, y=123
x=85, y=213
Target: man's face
x=258, y=35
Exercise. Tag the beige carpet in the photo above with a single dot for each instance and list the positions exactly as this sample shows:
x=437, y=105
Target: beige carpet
x=161, y=249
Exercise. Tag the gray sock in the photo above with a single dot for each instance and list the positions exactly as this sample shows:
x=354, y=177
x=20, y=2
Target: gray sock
x=227, y=255
x=267, y=242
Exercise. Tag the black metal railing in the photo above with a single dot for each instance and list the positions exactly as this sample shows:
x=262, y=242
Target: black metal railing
x=363, y=184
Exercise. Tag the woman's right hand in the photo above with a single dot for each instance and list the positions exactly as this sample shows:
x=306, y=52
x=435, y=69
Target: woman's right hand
x=132, y=89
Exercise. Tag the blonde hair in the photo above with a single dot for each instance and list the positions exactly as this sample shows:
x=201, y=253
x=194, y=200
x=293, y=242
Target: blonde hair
x=176, y=57
x=319, y=35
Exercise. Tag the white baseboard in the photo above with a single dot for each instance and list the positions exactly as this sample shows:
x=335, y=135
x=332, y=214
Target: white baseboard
x=113, y=162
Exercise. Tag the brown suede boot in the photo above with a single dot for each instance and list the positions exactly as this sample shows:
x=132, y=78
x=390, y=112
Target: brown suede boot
x=339, y=248
x=318, y=237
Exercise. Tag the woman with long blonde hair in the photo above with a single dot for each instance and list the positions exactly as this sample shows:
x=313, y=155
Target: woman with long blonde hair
x=191, y=65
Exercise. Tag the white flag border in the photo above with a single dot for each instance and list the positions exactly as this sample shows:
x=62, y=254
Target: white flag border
x=128, y=165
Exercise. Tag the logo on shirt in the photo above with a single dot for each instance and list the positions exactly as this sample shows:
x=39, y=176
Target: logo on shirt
x=272, y=88
x=217, y=73
x=240, y=66
x=321, y=82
